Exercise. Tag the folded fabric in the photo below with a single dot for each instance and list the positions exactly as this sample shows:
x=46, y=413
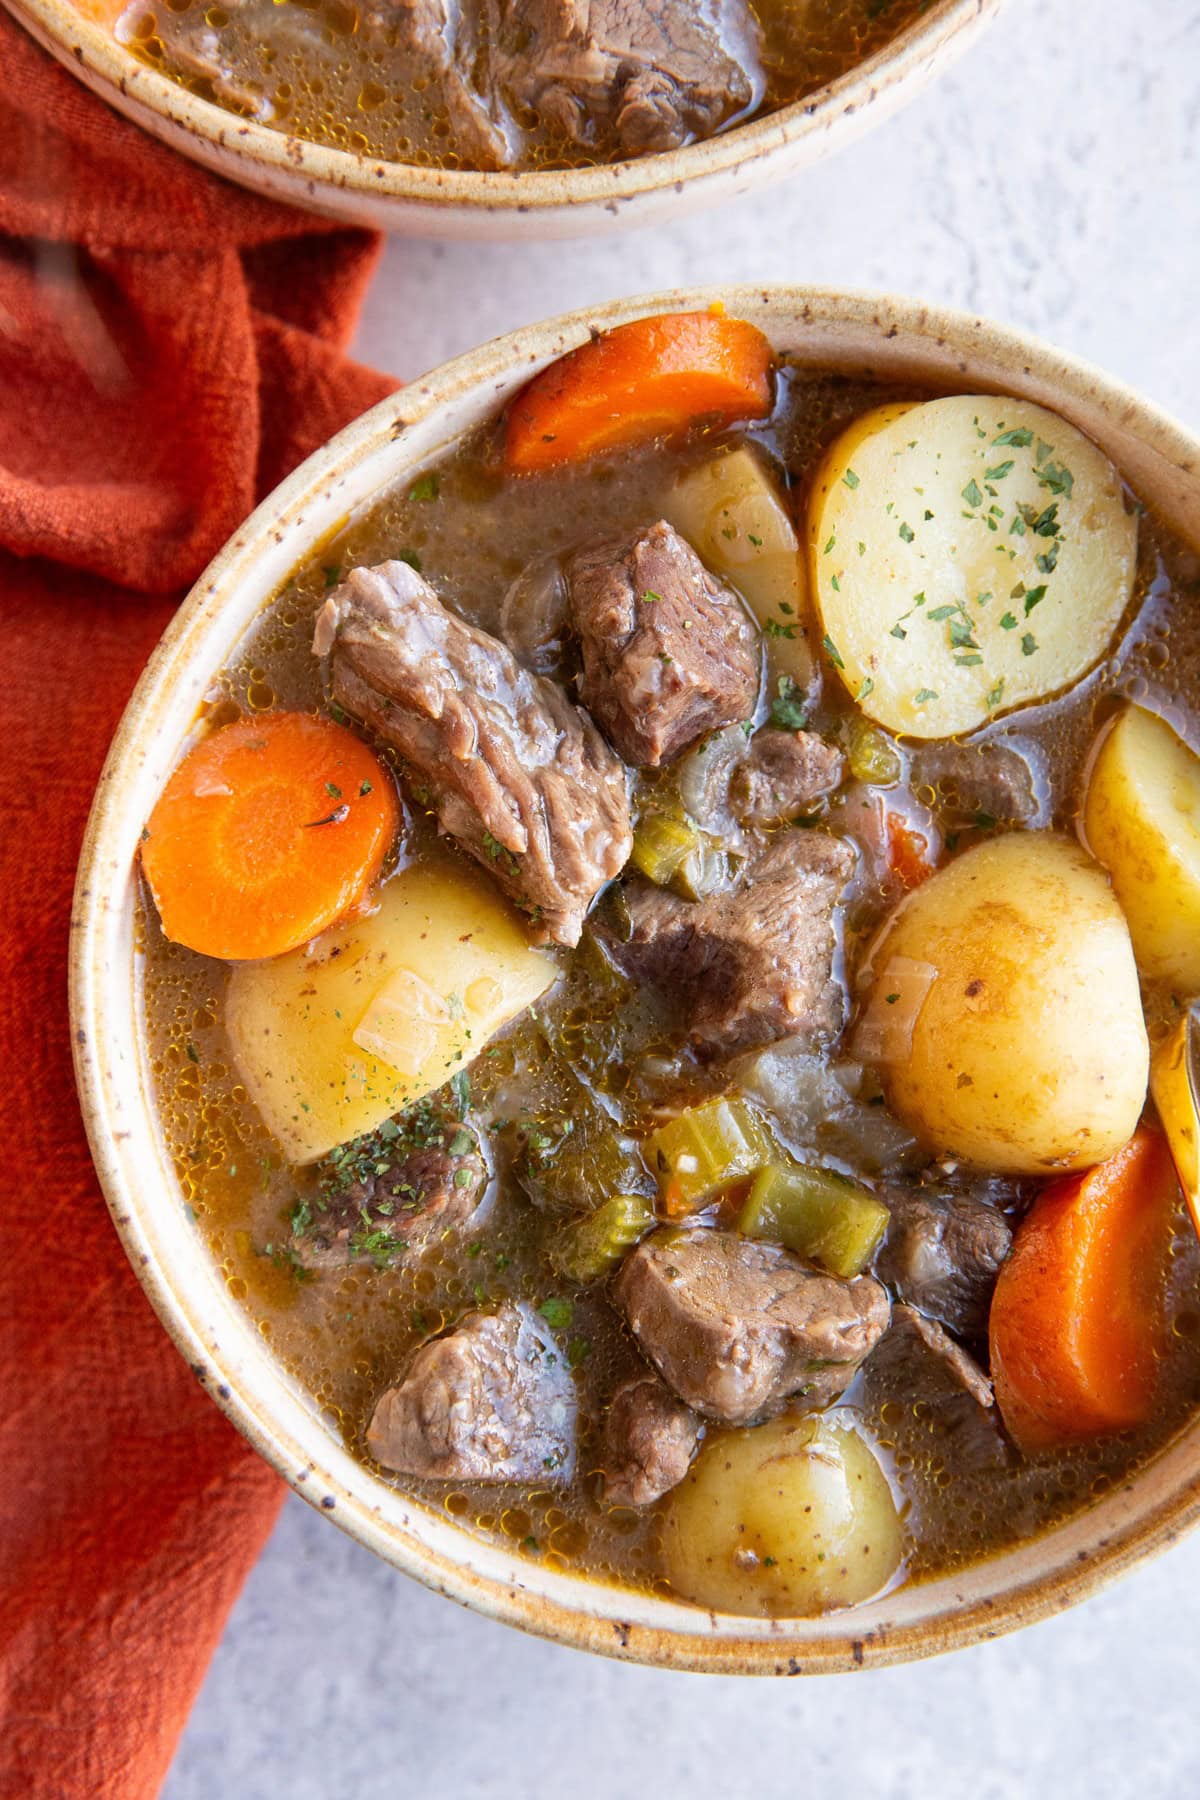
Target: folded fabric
x=169, y=348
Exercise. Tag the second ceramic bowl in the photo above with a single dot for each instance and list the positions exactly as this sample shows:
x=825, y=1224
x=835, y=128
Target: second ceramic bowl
x=452, y=203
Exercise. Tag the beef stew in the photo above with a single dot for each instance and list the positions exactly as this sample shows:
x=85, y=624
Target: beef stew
x=714, y=1209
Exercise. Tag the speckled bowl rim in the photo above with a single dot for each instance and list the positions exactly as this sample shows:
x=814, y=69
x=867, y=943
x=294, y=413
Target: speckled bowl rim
x=891, y=338
x=349, y=185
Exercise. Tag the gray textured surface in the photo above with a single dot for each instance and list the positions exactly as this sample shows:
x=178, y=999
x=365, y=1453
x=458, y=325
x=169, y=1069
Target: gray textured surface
x=1052, y=180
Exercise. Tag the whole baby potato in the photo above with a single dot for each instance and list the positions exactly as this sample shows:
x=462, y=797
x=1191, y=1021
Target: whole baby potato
x=787, y=1519
x=1005, y=1016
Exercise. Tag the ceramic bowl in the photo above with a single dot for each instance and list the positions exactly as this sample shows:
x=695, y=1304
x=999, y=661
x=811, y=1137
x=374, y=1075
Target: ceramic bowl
x=888, y=338
x=468, y=204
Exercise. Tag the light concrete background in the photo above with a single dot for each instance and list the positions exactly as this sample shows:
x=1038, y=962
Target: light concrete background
x=1052, y=180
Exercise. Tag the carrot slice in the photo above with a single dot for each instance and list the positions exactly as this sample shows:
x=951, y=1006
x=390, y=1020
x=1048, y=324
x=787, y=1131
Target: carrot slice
x=267, y=832
x=1078, y=1314
x=640, y=381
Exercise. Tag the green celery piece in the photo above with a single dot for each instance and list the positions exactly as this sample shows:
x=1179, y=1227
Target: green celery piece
x=593, y=1246
x=705, y=1148
x=822, y=1216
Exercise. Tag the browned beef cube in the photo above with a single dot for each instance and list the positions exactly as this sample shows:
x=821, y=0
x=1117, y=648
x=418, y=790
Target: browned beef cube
x=988, y=780
x=784, y=774
x=384, y=1196
x=942, y=1255
x=650, y=1437
x=492, y=1400
x=631, y=76
x=738, y=1327
x=521, y=778
x=748, y=965
x=669, y=653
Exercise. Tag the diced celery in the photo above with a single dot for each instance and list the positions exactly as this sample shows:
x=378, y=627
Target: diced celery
x=591, y=1247
x=673, y=852
x=822, y=1216
x=871, y=754
x=706, y=1148
x=660, y=844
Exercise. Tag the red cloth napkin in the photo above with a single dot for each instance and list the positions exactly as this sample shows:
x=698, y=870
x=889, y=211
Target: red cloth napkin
x=169, y=348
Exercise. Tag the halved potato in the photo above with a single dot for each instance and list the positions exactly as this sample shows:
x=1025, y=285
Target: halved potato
x=1142, y=821
x=1005, y=1016
x=732, y=513
x=966, y=556
x=332, y=1039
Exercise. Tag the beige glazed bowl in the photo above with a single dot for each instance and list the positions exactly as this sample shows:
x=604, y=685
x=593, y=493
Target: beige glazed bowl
x=893, y=339
x=453, y=203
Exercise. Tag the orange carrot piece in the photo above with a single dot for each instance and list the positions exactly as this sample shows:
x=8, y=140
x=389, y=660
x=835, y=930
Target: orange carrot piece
x=643, y=380
x=266, y=833
x=907, y=851
x=1077, y=1316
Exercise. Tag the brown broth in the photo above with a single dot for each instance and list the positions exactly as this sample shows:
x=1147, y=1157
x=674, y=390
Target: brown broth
x=344, y=1336
x=313, y=71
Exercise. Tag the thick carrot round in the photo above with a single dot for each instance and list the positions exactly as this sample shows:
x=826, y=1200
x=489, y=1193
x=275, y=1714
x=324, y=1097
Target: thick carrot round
x=1077, y=1316
x=650, y=378
x=267, y=832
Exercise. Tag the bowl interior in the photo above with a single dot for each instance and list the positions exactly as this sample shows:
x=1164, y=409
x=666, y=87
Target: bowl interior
x=891, y=338
x=466, y=203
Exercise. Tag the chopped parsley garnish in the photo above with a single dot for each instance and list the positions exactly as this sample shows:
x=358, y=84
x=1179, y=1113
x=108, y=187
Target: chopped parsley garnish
x=650, y=598
x=787, y=708
x=832, y=652
x=774, y=629
x=971, y=493
x=1058, y=478
x=999, y=472
x=907, y=533
x=924, y=694
x=1032, y=598
x=557, y=1313
x=1020, y=438
x=865, y=687
x=995, y=695
x=335, y=793
x=1028, y=644
x=364, y=788
x=193, y=1053
x=850, y=478
x=1008, y=622
x=426, y=488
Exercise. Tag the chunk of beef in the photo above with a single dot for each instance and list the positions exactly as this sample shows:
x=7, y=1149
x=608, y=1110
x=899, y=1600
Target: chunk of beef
x=748, y=965
x=669, y=652
x=738, y=1327
x=520, y=777
x=987, y=780
x=942, y=1254
x=380, y=1197
x=443, y=40
x=492, y=1400
x=784, y=773
x=918, y=1362
x=631, y=76
x=957, y=1363
x=650, y=1437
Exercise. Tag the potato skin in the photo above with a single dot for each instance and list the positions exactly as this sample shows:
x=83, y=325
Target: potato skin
x=784, y=1520
x=1017, y=1042
x=1142, y=821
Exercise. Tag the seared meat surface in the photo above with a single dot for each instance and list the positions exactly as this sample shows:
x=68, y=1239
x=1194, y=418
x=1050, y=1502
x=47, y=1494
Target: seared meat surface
x=961, y=1367
x=650, y=1437
x=492, y=1400
x=988, y=779
x=783, y=774
x=630, y=75
x=443, y=40
x=520, y=776
x=414, y=1178
x=669, y=652
x=750, y=964
x=942, y=1255
x=737, y=1327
